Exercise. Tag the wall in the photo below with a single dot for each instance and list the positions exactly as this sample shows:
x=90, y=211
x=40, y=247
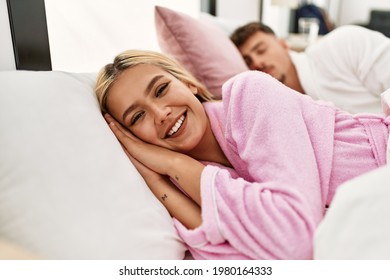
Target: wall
x=85, y=35
x=7, y=61
x=277, y=17
x=249, y=10
x=358, y=11
x=243, y=10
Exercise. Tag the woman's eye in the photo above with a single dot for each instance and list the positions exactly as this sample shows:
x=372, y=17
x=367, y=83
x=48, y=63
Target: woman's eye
x=161, y=89
x=136, y=118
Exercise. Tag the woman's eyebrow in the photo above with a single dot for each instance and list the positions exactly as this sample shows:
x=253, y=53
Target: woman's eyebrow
x=128, y=111
x=152, y=83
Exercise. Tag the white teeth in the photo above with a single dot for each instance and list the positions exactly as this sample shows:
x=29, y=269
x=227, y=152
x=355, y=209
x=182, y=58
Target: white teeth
x=177, y=125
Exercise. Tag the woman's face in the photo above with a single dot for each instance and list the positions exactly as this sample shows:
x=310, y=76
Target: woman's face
x=158, y=108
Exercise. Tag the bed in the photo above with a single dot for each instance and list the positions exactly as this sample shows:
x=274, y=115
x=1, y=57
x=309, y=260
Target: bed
x=67, y=189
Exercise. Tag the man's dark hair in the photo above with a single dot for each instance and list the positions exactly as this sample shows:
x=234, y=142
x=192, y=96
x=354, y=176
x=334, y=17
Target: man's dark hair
x=241, y=34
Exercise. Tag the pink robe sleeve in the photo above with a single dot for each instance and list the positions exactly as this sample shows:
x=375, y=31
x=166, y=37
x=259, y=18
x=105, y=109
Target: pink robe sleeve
x=274, y=212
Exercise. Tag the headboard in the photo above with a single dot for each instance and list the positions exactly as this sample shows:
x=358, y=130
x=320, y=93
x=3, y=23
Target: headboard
x=29, y=34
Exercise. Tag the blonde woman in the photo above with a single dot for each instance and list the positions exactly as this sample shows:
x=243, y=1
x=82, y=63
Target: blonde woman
x=248, y=177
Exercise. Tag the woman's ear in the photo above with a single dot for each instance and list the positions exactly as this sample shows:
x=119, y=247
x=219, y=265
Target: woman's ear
x=193, y=88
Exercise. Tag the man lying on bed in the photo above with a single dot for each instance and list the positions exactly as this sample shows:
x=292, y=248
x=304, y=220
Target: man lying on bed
x=348, y=67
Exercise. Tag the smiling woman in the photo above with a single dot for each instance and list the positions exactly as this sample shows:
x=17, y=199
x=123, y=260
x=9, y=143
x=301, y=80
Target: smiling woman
x=156, y=100
x=221, y=168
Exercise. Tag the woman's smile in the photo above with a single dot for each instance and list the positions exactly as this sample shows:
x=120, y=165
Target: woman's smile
x=178, y=127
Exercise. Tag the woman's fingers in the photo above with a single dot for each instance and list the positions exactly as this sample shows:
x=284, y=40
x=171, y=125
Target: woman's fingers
x=110, y=120
x=126, y=151
x=118, y=133
x=151, y=156
x=125, y=137
x=148, y=174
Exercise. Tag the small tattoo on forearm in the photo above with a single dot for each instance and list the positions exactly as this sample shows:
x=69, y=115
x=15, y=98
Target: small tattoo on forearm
x=164, y=197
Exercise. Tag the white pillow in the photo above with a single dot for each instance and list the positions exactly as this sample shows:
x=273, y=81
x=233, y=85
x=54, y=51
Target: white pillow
x=357, y=224
x=67, y=190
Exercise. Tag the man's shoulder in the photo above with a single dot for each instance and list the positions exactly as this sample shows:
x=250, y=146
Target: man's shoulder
x=343, y=37
x=349, y=33
x=350, y=30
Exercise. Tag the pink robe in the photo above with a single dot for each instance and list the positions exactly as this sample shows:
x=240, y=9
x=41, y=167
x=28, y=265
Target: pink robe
x=289, y=154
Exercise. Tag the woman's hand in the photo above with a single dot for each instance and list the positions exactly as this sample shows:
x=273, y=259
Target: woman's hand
x=185, y=170
x=177, y=203
x=151, y=177
x=152, y=156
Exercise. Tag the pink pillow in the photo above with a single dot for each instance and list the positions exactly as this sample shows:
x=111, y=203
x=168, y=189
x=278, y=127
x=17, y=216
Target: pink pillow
x=202, y=48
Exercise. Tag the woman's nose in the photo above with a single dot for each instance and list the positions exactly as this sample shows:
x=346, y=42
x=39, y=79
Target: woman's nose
x=161, y=114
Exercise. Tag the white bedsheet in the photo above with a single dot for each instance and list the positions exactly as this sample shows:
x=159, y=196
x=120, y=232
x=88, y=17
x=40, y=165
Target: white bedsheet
x=357, y=225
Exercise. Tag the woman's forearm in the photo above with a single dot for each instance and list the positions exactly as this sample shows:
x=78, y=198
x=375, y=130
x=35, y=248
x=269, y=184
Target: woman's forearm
x=187, y=172
x=177, y=203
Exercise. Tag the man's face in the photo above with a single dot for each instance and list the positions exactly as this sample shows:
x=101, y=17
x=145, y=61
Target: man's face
x=266, y=53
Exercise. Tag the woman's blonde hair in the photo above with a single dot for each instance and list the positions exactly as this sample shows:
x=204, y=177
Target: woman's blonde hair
x=128, y=59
